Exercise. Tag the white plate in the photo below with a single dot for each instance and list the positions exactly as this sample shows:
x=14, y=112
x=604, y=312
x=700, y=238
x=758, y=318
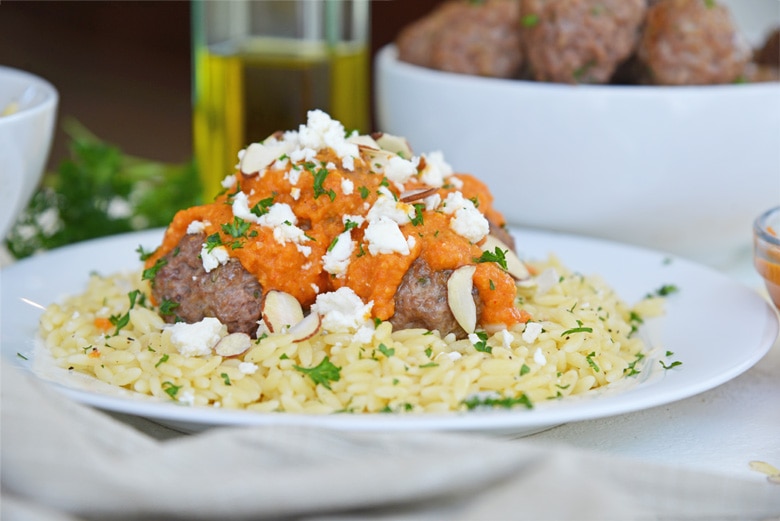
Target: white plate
x=716, y=327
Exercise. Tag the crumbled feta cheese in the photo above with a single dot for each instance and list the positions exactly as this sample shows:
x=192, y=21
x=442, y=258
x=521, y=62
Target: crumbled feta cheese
x=336, y=259
x=364, y=335
x=467, y=222
x=452, y=355
x=248, y=367
x=342, y=310
x=436, y=169
x=432, y=202
x=211, y=259
x=196, y=227
x=321, y=132
x=229, y=181
x=531, y=332
x=384, y=236
x=399, y=170
x=474, y=339
x=199, y=338
x=295, y=193
x=539, y=357
x=506, y=338
x=386, y=206
x=294, y=175
x=347, y=186
x=241, y=208
x=186, y=397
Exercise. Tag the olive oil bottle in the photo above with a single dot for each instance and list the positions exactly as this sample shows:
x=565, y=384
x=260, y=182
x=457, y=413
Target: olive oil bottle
x=261, y=66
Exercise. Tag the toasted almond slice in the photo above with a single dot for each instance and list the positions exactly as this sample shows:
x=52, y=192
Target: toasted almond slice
x=306, y=328
x=233, y=344
x=394, y=144
x=459, y=297
x=363, y=140
x=280, y=310
x=415, y=195
x=258, y=156
x=514, y=266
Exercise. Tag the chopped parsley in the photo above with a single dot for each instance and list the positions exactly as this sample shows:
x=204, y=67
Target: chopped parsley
x=212, y=241
x=387, y=351
x=591, y=362
x=225, y=378
x=323, y=373
x=482, y=345
x=162, y=360
x=579, y=329
x=529, y=20
x=498, y=256
x=506, y=402
x=151, y=273
x=237, y=229
x=262, y=206
x=143, y=254
x=417, y=220
x=170, y=388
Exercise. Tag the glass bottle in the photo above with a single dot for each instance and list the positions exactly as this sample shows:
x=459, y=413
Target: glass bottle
x=260, y=65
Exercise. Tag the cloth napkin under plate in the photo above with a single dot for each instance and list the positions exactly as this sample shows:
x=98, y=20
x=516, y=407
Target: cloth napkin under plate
x=61, y=460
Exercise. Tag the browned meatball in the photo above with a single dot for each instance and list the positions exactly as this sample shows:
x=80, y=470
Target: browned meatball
x=421, y=301
x=479, y=38
x=769, y=53
x=578, y=41
x=228, y=292
x=691, y=42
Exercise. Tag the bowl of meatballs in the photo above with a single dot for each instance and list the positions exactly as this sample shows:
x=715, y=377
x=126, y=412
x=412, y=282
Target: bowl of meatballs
x=649, y=122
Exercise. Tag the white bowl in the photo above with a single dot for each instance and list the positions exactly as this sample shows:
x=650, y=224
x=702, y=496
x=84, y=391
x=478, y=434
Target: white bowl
x=678, y=169
x=28, y=111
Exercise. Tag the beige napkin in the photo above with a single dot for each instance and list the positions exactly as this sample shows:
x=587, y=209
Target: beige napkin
x=62, y=460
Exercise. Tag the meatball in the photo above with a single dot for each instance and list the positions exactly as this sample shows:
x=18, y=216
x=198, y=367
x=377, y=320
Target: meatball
x=691, y=42
x=228, y=292
x=578, y=41
x=421, y=301
x=466, y=37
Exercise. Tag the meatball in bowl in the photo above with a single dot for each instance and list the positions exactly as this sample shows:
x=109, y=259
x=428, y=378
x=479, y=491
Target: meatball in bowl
x=655, y=123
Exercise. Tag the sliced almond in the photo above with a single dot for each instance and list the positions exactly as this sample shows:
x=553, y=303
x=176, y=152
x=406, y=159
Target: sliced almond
x=378, y=158
x=281, y=310
x=233, y=344
x=363, y=140
x=258, y=156
x=514, y=266
x=306, y=328
x=459, y=297
x=416, y=195
x=394, y=144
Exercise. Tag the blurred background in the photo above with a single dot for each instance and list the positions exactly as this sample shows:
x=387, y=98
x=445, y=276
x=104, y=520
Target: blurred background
x=123, y=68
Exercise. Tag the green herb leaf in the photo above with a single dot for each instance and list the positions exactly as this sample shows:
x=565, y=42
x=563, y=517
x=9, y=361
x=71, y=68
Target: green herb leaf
x=498, y=256
x=101, y=191
x=481, y=345
x=170, y=389
x=387, y=351
x=323, y=373
x=506, y=402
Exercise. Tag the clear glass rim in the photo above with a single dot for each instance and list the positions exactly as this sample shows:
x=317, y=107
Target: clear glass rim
x=760, y=226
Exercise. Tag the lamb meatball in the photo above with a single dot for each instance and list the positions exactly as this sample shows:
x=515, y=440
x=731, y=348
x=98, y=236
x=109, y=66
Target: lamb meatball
x=421, y=301
x=578, y=41
x=228, y=292
x=466, y=37
x=691, y=42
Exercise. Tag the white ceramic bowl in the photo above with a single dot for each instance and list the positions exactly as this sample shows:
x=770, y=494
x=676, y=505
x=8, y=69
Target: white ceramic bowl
x=28, y=111
x=679, y=169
